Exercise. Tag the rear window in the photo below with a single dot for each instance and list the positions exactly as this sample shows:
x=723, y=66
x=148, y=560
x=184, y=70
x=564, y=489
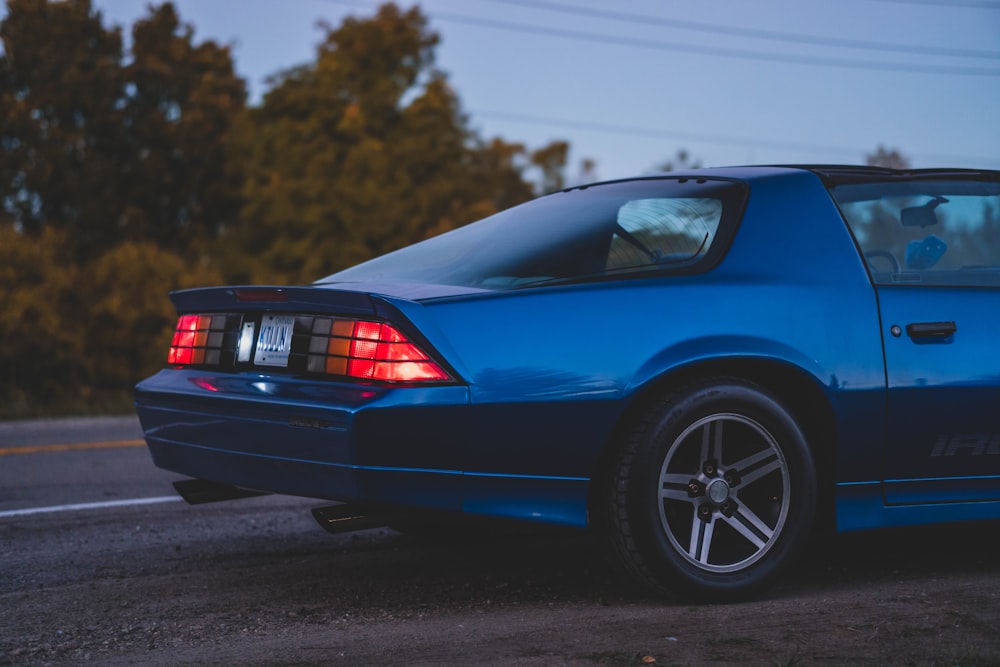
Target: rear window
x=926, y=232
x=596, y=232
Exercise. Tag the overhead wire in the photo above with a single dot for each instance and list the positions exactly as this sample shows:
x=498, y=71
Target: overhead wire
x=612, y=128
x=950, y=4
x=752, y=33
x=725, y=52
x=694, y=136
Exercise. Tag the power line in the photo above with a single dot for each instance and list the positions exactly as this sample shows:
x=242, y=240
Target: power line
x=703, y=50
x=715, y=51
x=770, y=35
x=722, y=140
x=951, y=4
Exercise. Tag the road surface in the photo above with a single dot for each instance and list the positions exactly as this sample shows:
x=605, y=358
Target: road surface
x=100, y=563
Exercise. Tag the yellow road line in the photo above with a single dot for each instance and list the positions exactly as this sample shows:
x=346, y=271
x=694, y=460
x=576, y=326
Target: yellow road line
x=71, y=447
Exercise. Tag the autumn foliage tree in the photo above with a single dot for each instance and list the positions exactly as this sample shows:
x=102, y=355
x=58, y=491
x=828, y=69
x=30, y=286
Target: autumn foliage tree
x=890, y=158
x=128, y=174
x=60, y=120
x=180, y=107
x=105, y=159
x=364, y=151
x=110, y=149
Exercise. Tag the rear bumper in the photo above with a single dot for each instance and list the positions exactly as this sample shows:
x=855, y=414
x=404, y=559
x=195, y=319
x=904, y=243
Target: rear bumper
x=312, y=439
x=412, y=447
x=312, y=479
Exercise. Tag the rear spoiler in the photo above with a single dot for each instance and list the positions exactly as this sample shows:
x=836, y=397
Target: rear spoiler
x=273, y=298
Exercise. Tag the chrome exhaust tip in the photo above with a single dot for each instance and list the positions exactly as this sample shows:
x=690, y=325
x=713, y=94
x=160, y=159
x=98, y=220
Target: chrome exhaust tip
x=349, y=518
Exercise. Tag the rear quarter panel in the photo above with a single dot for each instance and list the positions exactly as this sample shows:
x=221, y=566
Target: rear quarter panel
x=553, y=369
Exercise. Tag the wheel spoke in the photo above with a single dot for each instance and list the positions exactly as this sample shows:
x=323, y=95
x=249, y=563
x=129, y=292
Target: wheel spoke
x=675, y=494
x=711, y=441
x=743, y=466
x=723, y=490
x=757, y=532
x=675, y=487
x=675, y=479
x=701, y=538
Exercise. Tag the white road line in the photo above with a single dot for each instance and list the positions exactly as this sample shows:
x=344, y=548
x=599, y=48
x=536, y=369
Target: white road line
x=90, y=506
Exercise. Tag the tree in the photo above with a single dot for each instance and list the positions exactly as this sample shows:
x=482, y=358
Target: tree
x=109, y=170
x=126, y=175
x=182, y=101
x=681, y=161
x=108, y=150
x=129, y=319
x=40, y=347
x=890, y=158
x=61, y=119
x=364, y=151
x=73, y=334
x=552, y=161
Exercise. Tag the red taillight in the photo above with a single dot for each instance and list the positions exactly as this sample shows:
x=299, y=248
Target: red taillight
x=370, y=351
x=197, y=340
x=358, y=349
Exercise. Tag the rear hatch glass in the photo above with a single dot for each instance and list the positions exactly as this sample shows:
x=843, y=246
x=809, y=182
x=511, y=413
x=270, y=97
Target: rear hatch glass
x=603, y=231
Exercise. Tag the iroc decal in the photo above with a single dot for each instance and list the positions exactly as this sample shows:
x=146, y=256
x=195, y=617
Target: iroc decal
x=972, y=444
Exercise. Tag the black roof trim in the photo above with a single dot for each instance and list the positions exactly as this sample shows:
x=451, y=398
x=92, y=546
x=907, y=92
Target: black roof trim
x=846, y=174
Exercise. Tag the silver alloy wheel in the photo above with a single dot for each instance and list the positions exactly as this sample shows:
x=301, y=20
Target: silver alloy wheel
x=723, y=494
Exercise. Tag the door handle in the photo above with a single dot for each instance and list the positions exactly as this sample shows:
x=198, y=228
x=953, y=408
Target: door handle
x=931, y=329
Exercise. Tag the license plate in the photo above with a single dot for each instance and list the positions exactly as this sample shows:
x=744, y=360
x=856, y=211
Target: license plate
x=274, y=341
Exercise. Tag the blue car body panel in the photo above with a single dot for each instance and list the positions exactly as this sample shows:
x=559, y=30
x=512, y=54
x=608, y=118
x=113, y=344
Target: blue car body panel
x=544, y=376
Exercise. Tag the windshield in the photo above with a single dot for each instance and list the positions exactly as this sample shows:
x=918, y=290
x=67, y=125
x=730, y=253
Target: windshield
x=603, y=231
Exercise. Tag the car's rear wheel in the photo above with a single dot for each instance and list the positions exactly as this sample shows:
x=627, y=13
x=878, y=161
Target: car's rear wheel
x=712, y=492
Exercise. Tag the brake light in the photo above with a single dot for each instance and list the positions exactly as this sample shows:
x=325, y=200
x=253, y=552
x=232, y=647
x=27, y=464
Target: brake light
x=261, y=294
x=357, y=349
x=369, y=351
x=200, y=339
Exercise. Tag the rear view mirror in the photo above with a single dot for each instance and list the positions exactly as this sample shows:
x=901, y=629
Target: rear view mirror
x=923, y=215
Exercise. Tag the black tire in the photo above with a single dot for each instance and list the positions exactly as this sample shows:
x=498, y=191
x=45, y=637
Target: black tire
x=712, y=492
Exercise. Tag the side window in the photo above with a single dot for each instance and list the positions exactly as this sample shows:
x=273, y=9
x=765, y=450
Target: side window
x=651, y=232
x=949, y=234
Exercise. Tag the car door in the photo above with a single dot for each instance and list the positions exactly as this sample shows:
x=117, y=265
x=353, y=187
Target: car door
x=942, y=355
x=933, y=250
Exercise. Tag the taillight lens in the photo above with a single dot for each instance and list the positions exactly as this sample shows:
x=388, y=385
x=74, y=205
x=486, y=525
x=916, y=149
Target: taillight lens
x=194, y=343
x=368, y=351
x=358, y=349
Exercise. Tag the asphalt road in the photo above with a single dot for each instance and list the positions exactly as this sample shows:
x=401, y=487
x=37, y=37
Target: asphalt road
x=100, y=563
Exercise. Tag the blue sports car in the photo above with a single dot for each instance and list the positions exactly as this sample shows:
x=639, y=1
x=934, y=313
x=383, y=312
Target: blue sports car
x=702, y=367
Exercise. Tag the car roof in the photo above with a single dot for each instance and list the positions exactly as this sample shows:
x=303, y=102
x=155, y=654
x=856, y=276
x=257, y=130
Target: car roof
x=837, y=174
x=844, y=174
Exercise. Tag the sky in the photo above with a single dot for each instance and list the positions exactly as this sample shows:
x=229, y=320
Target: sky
x=629, y=84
